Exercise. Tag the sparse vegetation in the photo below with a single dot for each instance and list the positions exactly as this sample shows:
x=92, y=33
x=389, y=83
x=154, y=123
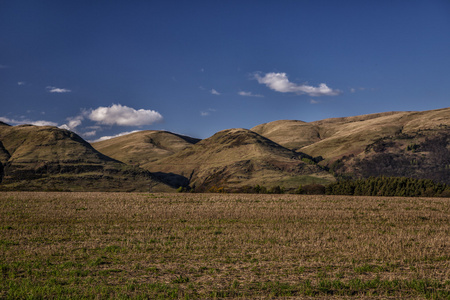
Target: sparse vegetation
x=196, y=246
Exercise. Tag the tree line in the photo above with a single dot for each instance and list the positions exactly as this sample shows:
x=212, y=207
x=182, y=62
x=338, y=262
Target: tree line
x=389, y=186
x=372, y=186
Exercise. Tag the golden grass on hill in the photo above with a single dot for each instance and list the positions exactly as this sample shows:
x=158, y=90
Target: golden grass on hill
x=47, y=158
x=112, y=245
x=333, y=138
x=238, y=157
x=142, y=147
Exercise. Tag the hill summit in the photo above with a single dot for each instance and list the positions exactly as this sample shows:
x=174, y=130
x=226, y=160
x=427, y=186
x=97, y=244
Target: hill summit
x=284, y=153
x=409, y=144
x=235, y=158
x=143, y=147
x=49, y=158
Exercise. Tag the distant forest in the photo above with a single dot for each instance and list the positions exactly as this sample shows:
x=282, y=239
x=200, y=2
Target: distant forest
x=373, y=186
x=389, y=186
x=429, y=159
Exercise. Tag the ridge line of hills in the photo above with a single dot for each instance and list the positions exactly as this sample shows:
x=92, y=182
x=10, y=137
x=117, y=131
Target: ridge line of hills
x=284, y=153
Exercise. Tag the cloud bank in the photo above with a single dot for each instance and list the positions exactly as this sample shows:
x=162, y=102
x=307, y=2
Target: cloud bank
x=121, y=115
x=279, y=82
x=26, y=121
x=108, y=137
x=115, y=114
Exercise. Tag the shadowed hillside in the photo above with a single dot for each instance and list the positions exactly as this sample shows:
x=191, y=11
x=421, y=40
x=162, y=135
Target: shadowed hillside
x=238, y=157
x=49, y=158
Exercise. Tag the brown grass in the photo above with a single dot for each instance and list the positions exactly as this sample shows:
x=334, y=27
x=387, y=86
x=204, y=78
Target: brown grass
x=213, y=246
x=334, y=138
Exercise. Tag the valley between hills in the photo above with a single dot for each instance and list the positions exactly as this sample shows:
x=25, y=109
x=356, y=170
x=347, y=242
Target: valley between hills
x=286, y=153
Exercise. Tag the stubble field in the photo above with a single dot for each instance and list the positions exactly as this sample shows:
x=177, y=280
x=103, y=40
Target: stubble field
x=126, y=245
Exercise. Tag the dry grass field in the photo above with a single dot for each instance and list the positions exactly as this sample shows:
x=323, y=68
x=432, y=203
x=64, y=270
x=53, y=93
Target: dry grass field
x=123, y=245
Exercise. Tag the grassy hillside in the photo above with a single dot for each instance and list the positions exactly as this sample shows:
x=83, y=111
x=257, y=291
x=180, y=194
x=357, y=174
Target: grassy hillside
x=238, y=157
x=334, y=138
x=284, y=153
x=49, y=158
x=144, y=147
x=412, y=144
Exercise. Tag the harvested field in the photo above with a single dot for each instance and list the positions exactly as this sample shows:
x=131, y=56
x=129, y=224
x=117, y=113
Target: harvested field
x=126, y=245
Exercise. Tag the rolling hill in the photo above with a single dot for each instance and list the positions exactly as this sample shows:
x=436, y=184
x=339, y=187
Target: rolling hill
x=282, y=153
x=235, y=158
x=49, y=158
x=140, y=148
x=412, y=144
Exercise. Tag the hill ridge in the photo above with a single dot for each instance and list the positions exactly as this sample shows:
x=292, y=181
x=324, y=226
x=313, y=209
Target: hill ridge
x=361, y=144
x=237, y=157
x=283, y=152
x=47, y=157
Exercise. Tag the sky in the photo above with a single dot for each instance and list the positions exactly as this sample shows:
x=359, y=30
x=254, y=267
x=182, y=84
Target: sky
x=105, y=68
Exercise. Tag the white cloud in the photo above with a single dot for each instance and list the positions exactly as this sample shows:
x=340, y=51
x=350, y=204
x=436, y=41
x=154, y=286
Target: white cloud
x=214, y=92
x=5, y=120
x=117, y=114
x=53, y=89
x=64, y=126
x=279, y=82
x=104, y=138
x=96, y=127
x=354, y=90
x=43, y=123
x=73, y=123
x=21, y=83
x=207, y=112
x=90, y=133
x=312, y=101
x=27, y=121
x=249, y=94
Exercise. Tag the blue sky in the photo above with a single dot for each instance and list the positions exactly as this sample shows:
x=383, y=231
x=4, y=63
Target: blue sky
x=101, y=68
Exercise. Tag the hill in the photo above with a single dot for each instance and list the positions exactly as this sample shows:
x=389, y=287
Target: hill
x=282, y=153
x=49, y=158
x=140, y=148
x=412, y=144
x=331, y=138
x=235, y=158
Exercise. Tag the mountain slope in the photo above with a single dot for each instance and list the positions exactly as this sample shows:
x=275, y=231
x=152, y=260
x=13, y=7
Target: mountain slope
x=35, y=158
x=373, y=145
x=334, y=138
x=237, y=157
x=331, y=138
x=144, y=147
